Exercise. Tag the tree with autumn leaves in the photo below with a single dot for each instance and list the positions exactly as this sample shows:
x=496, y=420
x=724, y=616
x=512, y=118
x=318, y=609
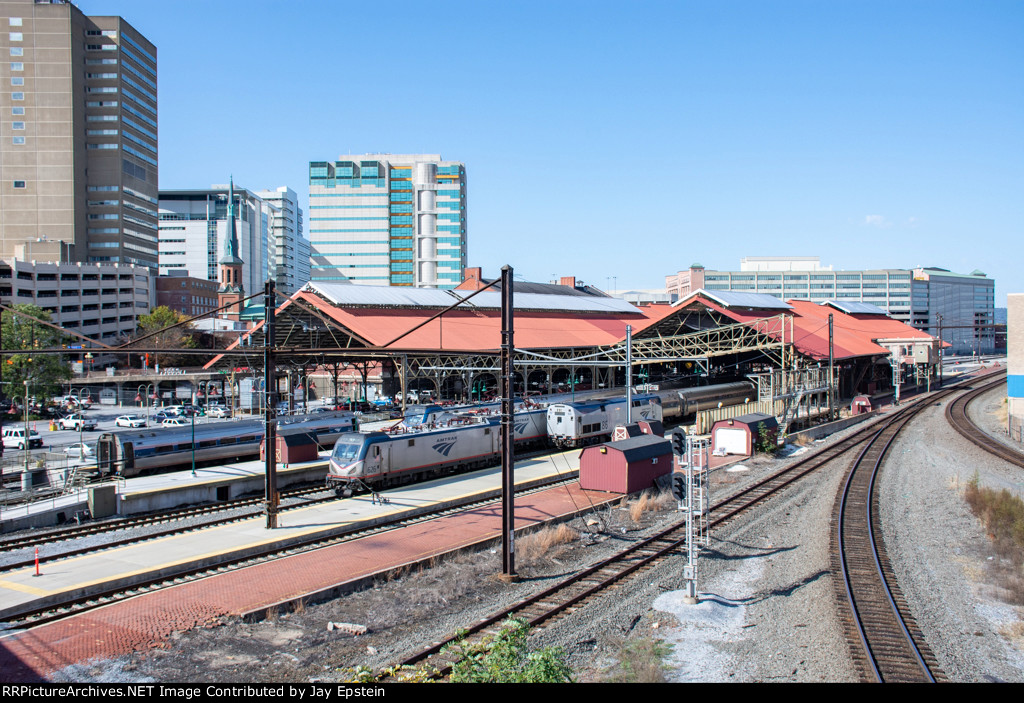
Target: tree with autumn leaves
x=160, y=324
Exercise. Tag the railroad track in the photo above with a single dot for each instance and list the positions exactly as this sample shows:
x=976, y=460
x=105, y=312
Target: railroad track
x=165, y=517
x=573, y=592
x=885, y=642
x=31, y=617
x=956, y=415
x=78, y=531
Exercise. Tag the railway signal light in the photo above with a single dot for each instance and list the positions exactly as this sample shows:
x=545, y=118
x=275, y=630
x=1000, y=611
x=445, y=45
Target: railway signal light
x=679, y=487
x=678, y=443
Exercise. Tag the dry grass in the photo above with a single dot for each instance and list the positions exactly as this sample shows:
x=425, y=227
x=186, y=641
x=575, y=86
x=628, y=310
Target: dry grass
x=1003, y=414
x=1002, y=514
x=650, y=501
x=639, y=661
x=1013, y=632
x=544, y=543
x=801, y=440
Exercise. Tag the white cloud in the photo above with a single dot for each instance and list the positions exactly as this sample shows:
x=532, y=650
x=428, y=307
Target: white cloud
x=877, y=221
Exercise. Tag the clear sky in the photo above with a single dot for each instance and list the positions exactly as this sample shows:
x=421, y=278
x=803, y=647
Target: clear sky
x=627, y=139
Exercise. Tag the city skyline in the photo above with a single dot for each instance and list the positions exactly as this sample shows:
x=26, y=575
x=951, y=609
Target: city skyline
x=627, y=142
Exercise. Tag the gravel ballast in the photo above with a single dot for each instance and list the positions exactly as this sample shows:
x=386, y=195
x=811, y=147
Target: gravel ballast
x=767, y=611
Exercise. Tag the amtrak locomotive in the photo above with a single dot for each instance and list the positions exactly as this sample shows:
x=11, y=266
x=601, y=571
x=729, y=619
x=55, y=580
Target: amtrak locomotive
x=589, y=421
x=132, y=452
x=406, y=454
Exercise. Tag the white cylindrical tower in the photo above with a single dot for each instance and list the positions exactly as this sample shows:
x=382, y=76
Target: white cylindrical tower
x=425, y=174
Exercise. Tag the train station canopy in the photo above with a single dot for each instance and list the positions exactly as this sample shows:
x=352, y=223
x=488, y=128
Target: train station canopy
x=857, y=329
x=348, y=317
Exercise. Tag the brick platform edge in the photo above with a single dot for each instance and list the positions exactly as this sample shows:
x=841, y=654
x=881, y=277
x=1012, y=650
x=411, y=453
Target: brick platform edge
x=150, y=620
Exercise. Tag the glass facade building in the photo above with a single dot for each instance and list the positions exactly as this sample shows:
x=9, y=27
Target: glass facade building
x=388, y=219
x=964, y=304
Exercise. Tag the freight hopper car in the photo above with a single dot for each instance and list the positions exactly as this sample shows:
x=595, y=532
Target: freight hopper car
x=684, y=402
x=377, y=460
x=132, y=452
x=590, y=421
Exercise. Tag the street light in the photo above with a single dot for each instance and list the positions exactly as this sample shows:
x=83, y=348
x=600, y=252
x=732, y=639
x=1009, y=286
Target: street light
x=193, y=415
x=148, y=395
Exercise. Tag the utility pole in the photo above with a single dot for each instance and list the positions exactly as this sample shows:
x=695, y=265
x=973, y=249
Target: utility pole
x=508, y=435
x=831, y=372
x=629, y=374
x=270, y=432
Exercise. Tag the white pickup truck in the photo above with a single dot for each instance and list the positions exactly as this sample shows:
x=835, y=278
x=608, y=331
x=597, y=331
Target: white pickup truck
x=77, y=422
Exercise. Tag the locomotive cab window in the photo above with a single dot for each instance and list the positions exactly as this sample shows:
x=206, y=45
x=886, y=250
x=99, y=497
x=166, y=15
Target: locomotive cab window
x=376, y=450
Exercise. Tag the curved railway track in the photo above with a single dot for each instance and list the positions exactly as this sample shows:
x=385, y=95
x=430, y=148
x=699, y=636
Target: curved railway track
x=576, y=590
x=885, y=643
x=956, y=415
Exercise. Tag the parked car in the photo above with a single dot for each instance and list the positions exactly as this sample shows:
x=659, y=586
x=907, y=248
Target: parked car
x=175, y=422
x=130, y=421
x=77, y=422
x=15, y=437
x=218, y=411
x=159, y=417
x=80, y=451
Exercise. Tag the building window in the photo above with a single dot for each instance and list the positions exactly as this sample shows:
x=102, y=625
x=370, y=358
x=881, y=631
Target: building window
x=14, y=21
x=19, y=184
x=17, y=51
x=19, y=140
x=17, y=125
x=17, y=96
x=17, y=80
x=15, y=36
x=17, y=66
x=17, y=111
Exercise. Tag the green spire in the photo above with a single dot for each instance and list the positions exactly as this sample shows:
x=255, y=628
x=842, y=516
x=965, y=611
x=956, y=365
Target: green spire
x=231, y=237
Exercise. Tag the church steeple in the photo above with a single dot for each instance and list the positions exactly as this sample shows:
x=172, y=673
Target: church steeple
x=231, y=236
x=231, y=289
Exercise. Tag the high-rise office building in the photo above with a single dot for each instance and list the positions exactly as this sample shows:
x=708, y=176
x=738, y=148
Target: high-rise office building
x=289, y=249
x=194, y=227
x=78, y=136
x=388, y=219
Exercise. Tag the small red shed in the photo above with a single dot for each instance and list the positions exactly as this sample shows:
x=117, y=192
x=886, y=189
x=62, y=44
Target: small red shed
x=626, y=466
x=739, y=435
x=860, y=405
x=293, y=447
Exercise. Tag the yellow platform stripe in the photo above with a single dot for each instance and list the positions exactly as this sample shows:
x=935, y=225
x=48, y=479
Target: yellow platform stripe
x=31, y=590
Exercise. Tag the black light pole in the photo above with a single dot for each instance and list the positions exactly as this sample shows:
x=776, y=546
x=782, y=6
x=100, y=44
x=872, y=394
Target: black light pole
x=193, y=416
x=508, y=436
x=269, y=384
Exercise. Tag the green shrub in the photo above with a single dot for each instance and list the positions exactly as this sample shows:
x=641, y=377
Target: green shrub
x=505, y=659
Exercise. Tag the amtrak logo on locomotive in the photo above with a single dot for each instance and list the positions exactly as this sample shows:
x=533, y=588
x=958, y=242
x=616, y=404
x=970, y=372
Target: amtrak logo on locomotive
x=444, y=446
x=521, y=426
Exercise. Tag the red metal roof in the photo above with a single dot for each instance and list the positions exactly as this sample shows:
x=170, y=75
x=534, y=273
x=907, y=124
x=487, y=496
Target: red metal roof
x=480, y=330
x=852, y=335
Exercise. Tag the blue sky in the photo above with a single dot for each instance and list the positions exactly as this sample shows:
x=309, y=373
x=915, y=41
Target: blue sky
x=627, y=140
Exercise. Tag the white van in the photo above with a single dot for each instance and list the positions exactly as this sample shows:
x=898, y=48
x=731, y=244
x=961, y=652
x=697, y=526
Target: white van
x=15, y=437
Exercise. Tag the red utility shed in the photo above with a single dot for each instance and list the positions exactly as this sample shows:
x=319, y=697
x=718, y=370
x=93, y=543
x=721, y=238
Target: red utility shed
x=626, y=466
x=739, y=435
x=293, y=447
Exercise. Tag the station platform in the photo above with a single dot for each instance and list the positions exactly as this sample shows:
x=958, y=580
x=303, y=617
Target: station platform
x=123, y=567
x=150, y=620
x=162, y=491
